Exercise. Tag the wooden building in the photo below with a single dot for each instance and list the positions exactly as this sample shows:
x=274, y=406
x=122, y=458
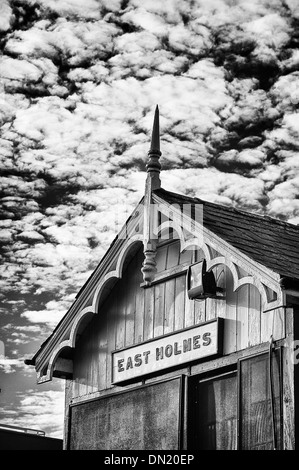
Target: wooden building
x=184, y=337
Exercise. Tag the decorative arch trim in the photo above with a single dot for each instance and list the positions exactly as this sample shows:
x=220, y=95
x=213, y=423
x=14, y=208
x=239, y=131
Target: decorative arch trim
x=50, y=367
x=89, y=310
x=76, y=325
x=222, y=259
x=116, y=273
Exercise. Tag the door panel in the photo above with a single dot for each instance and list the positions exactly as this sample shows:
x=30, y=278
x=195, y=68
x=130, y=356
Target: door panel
x=215, y=413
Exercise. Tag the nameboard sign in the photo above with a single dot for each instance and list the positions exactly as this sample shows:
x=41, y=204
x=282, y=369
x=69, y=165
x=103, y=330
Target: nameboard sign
x=167, y=351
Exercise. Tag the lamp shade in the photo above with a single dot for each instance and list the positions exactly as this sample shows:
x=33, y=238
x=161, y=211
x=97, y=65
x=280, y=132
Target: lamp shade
x=201, y=284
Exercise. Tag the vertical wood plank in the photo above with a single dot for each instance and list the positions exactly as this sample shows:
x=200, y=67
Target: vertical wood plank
x=120, y=320
x=101, y=365
x=82, y=373
x=173, y=255
x=242, y=317
x=75, y=388
x=279, y=326
x=87, y=357
x=211, y=305
x=80, y=380
x=76, y=371
x=199, y=311
x=179, y=309
x=272, y=323
x=139, y=318
x=83, y=365
x=111, y=337
x=288, y=403
x=189, y=311
x=139, y=294
x=230, y=324
x=254, y=316
x=159, y=293
x=92, y=356
x=290, y=375
x=220, y=283
x=161, y=258
x=68, y=394
x=186, y=256
x=130, y=301
x=267, y=324
x=78, y=366
x=75, y=378
x=96, y=372
x=186, y=413
x=169, y=306
x=148, y=313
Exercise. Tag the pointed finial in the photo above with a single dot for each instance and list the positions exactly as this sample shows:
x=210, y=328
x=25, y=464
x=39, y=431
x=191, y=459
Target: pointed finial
x=153, y=165
x=155, y=143
x=153, y=182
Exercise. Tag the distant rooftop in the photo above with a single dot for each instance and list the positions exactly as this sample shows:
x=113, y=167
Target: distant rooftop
x=8, y=427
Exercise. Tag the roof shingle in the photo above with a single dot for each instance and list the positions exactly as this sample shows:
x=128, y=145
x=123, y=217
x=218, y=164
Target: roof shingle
x=268, y=241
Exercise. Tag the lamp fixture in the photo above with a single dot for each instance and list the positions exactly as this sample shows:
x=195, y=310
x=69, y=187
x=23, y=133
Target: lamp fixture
x=200, y=282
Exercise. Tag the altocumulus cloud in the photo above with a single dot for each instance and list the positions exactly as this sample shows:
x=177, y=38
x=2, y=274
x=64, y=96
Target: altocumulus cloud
x=43, y=409
x=78, y=85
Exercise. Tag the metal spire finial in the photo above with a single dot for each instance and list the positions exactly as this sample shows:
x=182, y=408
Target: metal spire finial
x=152, y=183
x=153, y=165
x=155, y=143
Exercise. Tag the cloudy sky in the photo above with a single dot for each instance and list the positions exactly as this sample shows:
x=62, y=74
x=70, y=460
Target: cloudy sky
x=79, y=82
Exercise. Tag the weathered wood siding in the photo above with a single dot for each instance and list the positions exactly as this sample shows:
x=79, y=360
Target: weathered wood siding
x=132, y=314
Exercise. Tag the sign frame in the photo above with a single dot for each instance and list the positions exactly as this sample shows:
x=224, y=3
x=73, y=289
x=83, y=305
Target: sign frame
x=217, y=351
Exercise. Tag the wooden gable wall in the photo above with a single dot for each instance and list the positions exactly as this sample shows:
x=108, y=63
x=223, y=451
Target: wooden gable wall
x=133, y=314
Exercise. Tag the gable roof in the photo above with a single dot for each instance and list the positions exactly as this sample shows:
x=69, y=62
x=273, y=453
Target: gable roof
x=268, y=241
